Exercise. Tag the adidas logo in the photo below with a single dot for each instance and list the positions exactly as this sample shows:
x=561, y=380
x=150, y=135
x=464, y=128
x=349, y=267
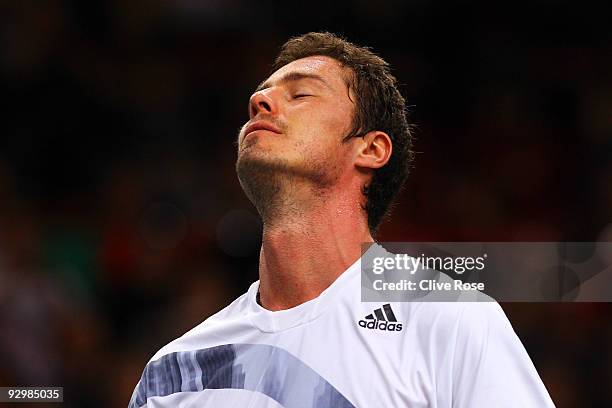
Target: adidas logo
x=382, y=319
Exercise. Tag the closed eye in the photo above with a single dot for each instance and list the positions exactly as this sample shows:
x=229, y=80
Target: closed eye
x=300, y=96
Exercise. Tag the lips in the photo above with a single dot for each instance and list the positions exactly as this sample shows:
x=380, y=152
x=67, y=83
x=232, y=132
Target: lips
x=261, y=125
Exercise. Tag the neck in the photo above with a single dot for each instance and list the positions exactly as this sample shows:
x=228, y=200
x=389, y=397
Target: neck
x=304, y=252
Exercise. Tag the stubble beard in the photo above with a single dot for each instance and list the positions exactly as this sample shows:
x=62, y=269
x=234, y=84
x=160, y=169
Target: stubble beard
x=274, y=184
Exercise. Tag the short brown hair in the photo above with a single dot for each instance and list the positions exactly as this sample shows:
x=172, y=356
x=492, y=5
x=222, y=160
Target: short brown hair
x=379, y=106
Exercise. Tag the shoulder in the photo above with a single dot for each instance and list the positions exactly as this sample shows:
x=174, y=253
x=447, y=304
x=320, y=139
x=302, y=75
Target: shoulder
x=453, y=333
x=215, y=330
x=480, y=360
x=162, y=374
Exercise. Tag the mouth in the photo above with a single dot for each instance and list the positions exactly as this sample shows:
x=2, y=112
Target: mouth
x=260, y=125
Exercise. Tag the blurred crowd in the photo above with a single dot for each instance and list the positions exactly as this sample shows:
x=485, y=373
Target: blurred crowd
x=122, y=223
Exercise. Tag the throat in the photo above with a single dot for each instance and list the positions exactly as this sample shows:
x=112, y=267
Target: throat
x=294, y=271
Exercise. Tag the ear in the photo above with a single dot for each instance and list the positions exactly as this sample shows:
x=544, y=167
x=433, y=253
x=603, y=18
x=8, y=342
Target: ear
x=374, y=150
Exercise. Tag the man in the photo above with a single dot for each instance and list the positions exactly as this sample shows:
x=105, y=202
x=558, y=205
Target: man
x=324, y=152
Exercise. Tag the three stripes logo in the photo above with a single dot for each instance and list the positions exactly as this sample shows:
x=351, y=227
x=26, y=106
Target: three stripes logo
x=383, y=318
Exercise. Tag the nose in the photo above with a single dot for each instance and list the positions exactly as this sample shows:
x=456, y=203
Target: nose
x=261, y=102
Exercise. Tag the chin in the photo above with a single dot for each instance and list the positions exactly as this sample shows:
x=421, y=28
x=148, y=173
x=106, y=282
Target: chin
x=259, y=161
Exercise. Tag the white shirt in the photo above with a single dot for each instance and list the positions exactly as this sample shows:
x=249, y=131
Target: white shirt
x=324, y=353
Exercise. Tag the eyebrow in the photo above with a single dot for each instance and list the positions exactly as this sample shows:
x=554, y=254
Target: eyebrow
x=292, y=77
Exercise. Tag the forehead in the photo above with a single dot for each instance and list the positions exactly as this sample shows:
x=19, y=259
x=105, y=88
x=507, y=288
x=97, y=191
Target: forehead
x=326, y=67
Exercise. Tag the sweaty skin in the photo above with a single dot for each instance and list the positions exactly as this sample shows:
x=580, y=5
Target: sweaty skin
x=305, y=181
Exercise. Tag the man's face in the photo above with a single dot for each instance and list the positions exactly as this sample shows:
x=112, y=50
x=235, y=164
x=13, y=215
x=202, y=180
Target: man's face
x=298, y=119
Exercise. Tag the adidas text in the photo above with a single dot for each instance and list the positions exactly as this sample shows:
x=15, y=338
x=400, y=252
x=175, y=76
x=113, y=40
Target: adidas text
x=380, y=325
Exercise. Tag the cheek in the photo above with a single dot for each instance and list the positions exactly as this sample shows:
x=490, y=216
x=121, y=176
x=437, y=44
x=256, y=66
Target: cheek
x=321, y=148
x=318, y=134
x=331, y=118
x=338, y=120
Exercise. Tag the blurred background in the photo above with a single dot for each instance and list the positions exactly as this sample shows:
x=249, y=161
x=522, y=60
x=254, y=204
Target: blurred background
x=122, y=223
